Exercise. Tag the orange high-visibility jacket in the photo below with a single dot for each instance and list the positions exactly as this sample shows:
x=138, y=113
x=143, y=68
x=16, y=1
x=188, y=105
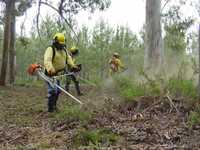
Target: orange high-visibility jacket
x=115, y=64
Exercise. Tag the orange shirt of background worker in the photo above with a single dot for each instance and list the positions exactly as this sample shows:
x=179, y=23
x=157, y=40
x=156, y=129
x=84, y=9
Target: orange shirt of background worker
x=115, y=64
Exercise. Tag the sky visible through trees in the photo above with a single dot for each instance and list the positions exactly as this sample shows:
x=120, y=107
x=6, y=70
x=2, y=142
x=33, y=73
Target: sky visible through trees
x=127, y=13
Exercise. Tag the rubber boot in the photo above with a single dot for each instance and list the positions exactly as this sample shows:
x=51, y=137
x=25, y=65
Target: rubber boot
x=67, y=87
x=51, y=103
x=78, y=89
x=55, y=102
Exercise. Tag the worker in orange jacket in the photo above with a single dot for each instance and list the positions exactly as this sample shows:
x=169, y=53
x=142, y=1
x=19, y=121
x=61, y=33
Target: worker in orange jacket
x=115, y=64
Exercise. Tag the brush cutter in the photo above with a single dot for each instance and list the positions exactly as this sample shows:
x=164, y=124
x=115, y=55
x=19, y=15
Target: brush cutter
x=63, y=75
x=38, y=69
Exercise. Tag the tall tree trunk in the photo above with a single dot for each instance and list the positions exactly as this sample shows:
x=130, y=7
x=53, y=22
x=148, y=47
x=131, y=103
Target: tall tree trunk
x=6, y=42
x=12, y=54
x=153, y=50
x=199, y=64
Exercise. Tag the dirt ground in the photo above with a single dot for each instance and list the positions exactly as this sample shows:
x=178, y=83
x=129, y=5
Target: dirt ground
x=149, y=123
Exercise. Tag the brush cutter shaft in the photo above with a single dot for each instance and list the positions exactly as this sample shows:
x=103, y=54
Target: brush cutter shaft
x=68, y=74
x=68, y=94
x=51, y=82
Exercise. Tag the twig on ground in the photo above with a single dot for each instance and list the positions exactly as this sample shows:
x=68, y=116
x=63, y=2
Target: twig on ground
x=171, y=102
x=150, y=107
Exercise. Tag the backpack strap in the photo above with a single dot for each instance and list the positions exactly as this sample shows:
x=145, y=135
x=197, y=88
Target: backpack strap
x=54, y=52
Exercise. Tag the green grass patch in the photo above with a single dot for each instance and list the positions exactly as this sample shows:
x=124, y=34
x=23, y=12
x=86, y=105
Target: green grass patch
x=182, y=87
x=73, y=113
x=155, y=86
x=45, y=146
x=194, y=118
x=98, y=137
x=128, y=88
x=29, y=82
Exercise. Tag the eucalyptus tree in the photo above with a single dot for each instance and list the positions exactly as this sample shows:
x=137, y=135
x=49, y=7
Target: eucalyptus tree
x=12, y=8
x=6, y=39
x=176, y=27
x=153, y=51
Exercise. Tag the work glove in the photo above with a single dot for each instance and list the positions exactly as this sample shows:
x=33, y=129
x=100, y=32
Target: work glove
x=76, y=68
x=51, y=72
x=79, y=67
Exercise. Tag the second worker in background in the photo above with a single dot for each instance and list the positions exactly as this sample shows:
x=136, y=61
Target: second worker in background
x=115, y=64
x=74, y=51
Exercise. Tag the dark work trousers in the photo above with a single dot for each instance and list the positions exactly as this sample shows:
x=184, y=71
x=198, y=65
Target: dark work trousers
x=76, y=83
x=53, y=94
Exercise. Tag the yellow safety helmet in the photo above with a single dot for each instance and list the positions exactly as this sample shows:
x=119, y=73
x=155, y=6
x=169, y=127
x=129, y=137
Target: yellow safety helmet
x=116, y=55
x=74, y=50
x=60, y=38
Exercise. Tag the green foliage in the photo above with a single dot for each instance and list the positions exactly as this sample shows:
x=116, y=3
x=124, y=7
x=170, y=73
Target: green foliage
x=195, y=67
x=128, y=88
x=176, y=27
x=192, y=42
x=174, y=39
x=154, y=83
x=75, y=6
x=182, y=87
x=22, y=6
x=97, y=137
x=178, y=84
x=29, y=82
x=194, y=118
x=96, y=47
x=44, y=145
x=73, y=113
x=182, y=83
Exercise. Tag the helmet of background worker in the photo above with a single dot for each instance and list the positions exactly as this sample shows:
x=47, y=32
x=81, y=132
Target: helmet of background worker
x=59, y=40
x=74, y=50
x=116, y=55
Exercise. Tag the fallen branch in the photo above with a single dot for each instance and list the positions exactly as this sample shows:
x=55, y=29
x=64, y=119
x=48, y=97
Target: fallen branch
x=171, y=102
x=17, y=137
x=150, y=107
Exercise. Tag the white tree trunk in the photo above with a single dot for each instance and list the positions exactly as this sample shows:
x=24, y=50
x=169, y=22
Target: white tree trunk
x=153, y=39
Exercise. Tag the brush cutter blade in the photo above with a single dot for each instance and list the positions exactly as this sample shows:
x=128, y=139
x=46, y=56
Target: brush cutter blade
x=32, y=68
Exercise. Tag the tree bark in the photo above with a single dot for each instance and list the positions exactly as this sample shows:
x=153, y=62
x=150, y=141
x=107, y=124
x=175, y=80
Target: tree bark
x=12, y=52
x=199, y=64
x=153, y=39
x=6, y=43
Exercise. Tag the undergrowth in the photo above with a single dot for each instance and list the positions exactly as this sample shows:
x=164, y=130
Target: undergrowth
x=194, y=118
x=95, y=138
x=73, y=113
x=157, y=85
x=128, y=89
